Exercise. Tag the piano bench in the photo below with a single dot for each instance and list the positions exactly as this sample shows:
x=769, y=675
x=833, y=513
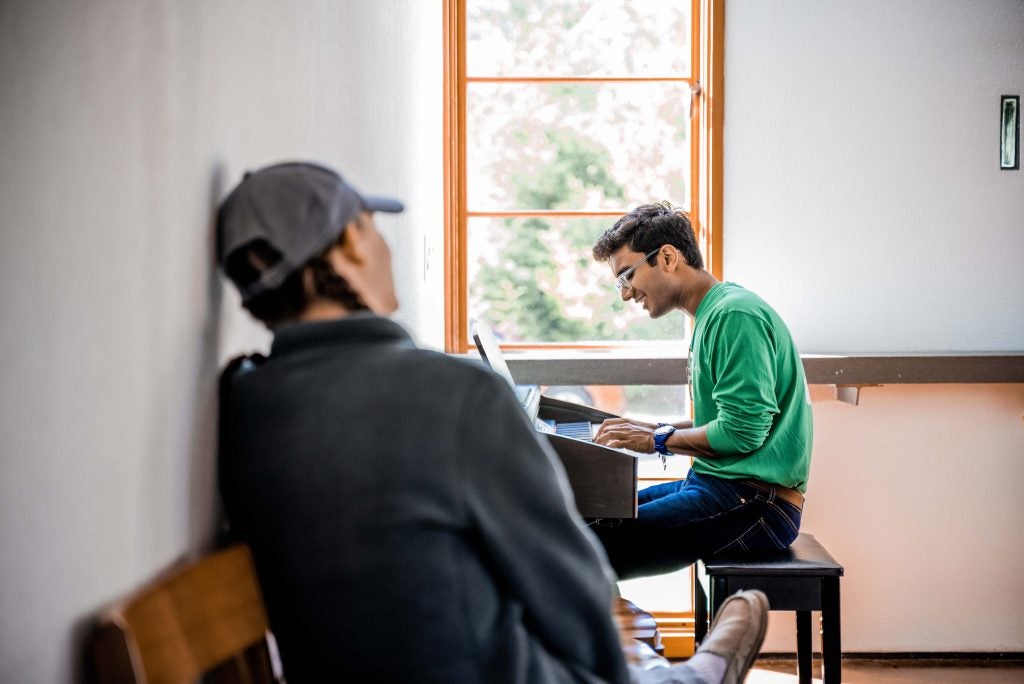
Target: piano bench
x=802, y=578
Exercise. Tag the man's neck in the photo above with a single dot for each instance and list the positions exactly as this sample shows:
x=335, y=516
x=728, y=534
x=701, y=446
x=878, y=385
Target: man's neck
x=697, y=290
x=323, y=310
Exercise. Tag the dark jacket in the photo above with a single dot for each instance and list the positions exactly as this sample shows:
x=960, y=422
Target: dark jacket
x=406, y=522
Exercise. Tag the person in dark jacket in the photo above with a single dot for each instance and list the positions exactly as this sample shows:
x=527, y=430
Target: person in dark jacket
x=405, y=521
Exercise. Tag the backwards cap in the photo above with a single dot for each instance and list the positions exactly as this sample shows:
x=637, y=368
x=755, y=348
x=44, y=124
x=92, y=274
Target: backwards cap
x=297, y=208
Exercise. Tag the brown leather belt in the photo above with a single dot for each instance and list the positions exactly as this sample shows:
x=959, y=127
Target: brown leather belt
x=790, y=496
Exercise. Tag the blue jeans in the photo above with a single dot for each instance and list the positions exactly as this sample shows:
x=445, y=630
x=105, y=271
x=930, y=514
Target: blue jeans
x=679, y=522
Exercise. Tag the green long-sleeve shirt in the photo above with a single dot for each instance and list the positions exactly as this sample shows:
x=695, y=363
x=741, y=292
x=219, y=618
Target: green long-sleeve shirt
x=747, y=385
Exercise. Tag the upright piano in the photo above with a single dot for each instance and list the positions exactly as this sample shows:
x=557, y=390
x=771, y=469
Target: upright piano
x=603, y=480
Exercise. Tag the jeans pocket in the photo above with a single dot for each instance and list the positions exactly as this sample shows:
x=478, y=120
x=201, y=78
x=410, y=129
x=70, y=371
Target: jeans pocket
x=784, y=521
x=757, y=537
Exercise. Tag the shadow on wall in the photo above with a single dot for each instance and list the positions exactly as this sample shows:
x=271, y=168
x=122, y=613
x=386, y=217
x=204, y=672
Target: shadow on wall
x=203, y=500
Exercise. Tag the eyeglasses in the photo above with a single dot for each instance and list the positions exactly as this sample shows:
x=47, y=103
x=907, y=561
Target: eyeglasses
x=623, y=281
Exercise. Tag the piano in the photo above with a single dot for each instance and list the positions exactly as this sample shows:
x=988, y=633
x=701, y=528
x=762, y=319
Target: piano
x=603, y=480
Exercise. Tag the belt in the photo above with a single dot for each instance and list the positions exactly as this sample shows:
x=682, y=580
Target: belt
x=790, y=496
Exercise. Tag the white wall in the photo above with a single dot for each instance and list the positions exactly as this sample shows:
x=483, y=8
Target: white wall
x=913, y=491
x=863, y=199
x=863, y=195
x=121, y=125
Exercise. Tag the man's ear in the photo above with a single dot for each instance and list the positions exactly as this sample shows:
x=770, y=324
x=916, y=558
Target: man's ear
x=347, y=252
x=672, y=258
x=352, y=242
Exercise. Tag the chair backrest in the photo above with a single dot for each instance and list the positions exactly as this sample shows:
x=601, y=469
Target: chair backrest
x=202, y=619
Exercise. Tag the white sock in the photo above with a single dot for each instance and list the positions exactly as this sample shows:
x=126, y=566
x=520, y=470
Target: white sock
x=708, y=666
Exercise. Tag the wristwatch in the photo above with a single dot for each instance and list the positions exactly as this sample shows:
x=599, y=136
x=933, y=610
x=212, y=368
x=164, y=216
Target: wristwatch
x=661, y=434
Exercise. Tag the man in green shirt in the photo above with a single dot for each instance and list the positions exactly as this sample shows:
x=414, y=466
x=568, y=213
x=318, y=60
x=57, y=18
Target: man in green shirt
x=752, y=429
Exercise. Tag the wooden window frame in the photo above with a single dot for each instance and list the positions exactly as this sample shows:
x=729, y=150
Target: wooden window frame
x=706, y=192
x=706, y=72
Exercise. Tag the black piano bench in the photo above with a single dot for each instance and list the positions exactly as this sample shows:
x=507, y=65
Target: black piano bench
x=802, y=578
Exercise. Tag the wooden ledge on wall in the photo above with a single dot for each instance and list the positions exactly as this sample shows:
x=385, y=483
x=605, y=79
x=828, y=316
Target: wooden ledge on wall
x=638, y=367
x=875, y=369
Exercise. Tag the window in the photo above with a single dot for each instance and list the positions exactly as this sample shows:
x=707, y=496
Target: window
x=560, y=116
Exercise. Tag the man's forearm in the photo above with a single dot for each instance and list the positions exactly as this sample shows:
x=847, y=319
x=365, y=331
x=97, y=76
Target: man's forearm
x=691, y=441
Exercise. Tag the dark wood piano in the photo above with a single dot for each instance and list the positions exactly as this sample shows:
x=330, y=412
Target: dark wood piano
x=603, y=480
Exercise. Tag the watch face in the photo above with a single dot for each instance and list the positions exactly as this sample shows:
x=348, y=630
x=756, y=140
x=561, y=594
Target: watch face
x=664, y=430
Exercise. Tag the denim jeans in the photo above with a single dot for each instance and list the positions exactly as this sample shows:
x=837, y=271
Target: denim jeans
x=679, y=522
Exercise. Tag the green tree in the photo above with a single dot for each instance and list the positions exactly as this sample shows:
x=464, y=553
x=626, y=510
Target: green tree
x=519, y=293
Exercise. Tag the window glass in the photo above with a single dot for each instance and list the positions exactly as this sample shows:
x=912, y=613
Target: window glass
x=668, y=593
x=577, y=37
x=576, y=111
x=579, y=146
x=534, y=280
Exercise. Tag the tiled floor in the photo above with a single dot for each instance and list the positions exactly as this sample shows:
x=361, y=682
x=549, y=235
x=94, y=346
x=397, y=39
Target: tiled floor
x=896, y=672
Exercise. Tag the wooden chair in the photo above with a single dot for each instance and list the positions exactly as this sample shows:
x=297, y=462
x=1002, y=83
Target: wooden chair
x=201, y=619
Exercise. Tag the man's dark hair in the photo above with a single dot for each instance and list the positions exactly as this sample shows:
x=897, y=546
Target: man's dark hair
x=647, y=228
x=286, y=302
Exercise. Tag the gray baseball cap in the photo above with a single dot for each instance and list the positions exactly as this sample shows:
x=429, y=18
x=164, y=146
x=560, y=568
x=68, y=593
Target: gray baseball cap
x=298, y=208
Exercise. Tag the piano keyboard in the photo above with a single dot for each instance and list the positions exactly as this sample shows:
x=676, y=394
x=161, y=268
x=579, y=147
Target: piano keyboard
x=577, y=430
